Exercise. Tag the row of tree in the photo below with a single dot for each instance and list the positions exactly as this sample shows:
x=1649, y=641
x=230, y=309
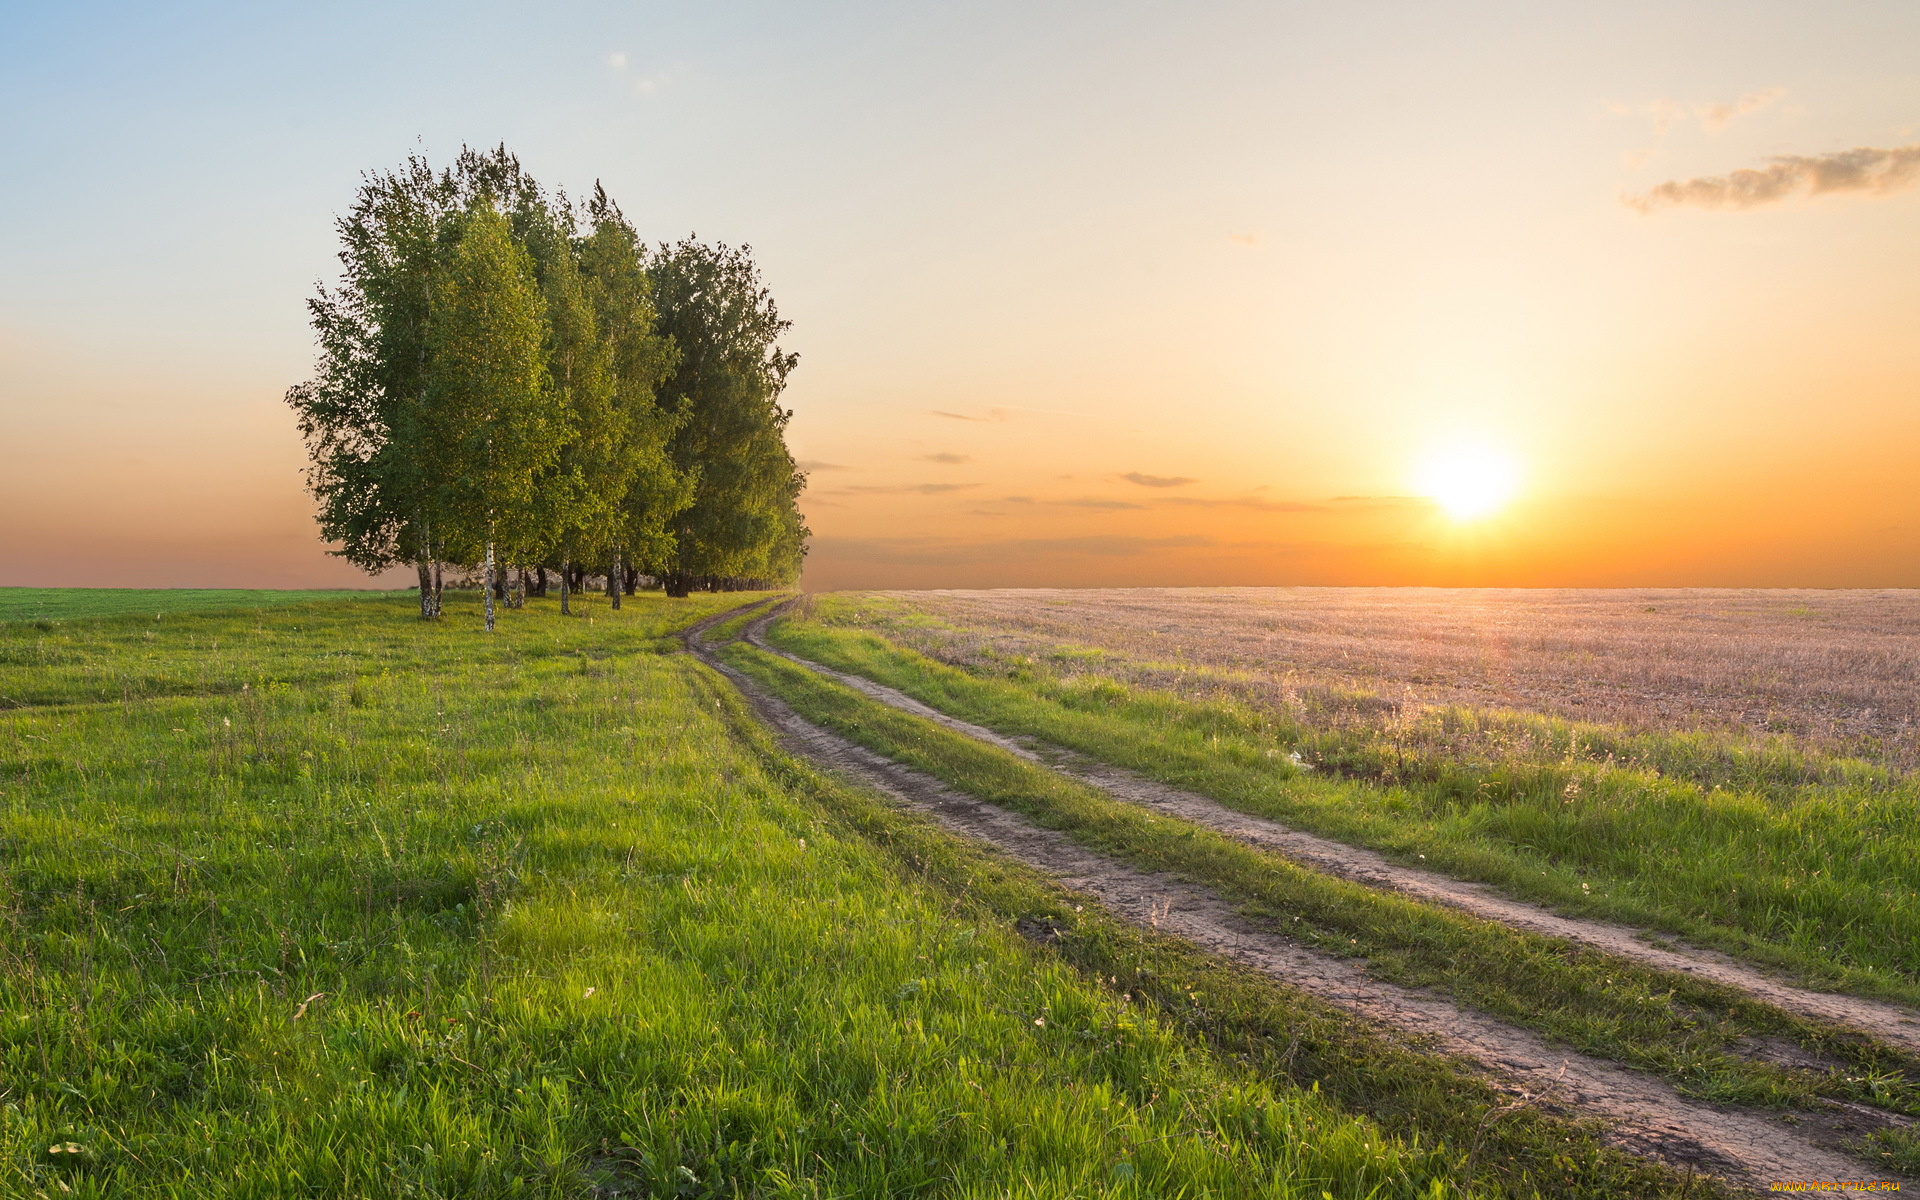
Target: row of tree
x=511, y=379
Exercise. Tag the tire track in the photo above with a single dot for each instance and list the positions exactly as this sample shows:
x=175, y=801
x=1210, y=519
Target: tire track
x=1643, y=1114
x=1890, y=1023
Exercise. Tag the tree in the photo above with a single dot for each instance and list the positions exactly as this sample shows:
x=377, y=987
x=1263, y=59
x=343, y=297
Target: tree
x=494, y=424
x=361, y=414
x=744, y=521
x=634, y=474
x=502, y=370
x=614, y=485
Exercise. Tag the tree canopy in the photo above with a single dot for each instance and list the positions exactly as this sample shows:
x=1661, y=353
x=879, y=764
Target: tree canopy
x=507, y=377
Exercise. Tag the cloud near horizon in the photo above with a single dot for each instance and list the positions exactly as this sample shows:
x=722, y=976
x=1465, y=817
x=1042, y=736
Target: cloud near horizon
x=1863, y=169
x=1253, y=502
x=945, y=457
x=937, y=551
x=900, y=489
x=1157, y=481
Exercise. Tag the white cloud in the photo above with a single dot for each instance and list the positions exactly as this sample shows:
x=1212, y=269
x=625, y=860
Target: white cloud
x=617, y=60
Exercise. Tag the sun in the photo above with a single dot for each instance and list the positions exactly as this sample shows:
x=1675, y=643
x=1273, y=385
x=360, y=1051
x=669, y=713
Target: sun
x=1469, y=478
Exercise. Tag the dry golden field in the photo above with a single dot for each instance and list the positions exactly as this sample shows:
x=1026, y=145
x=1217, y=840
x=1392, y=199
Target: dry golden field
x=1834, y=670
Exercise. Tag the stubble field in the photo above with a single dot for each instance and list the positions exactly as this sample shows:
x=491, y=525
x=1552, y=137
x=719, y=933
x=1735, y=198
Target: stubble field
x=1835, y=671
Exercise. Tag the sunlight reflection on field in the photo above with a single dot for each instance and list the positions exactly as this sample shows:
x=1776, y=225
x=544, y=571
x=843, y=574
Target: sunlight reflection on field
x=1837, y=669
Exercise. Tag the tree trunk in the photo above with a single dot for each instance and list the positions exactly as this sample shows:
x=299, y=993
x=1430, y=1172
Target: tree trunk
x=519, y=592
x=613, y=581
x=486, y=581
x=676, y=584
x=540, y=581
x=436, y=587
x=429, y=588
x=566, y=577
x=426, y=589
x=633, y=579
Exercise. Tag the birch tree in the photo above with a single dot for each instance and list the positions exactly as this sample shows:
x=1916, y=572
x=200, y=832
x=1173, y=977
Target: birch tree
x=494, y=420
x=502, y=371
x=361, y=413
x=634, y=477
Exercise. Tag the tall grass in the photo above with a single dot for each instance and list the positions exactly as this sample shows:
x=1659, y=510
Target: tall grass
x=328, y=902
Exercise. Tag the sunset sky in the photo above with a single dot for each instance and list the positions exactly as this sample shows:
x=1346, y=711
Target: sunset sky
x=1085, y=294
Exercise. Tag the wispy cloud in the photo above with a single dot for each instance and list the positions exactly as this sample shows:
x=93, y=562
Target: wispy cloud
x=1713, y=115
x=948, y=458
x=950, y=551
x=900, y=489
x=1092, y=502
x=814, y=464
x=1364, y=502
x=617, y=60
x=1157, y=481
x=1003, y=412
x=1862, y=169
x=1253, y=502
x=1244, y=239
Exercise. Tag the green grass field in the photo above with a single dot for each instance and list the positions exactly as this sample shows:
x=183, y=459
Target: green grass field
x=317, y=900
x=55, y=604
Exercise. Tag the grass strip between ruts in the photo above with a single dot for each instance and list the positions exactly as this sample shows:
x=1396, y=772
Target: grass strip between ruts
x=1822, y=879
x=1678, y=1027
x=1497, y=1147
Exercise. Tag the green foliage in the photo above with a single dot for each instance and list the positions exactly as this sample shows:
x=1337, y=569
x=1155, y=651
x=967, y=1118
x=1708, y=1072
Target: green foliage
x=744, y=522
x=361, y=907
x=489, y=371
x=360, y=414
x=629, y=472
x=493, y=423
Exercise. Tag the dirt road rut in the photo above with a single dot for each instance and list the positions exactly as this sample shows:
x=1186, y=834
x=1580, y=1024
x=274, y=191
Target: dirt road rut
x=1643, y=1114
x=1890, y=1023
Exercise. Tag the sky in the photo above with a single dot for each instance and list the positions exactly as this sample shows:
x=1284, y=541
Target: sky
x=1084, y=294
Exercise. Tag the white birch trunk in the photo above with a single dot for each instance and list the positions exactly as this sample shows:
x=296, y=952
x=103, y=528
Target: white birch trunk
x=487, y=586
x=614, y=579
x=424, y=560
